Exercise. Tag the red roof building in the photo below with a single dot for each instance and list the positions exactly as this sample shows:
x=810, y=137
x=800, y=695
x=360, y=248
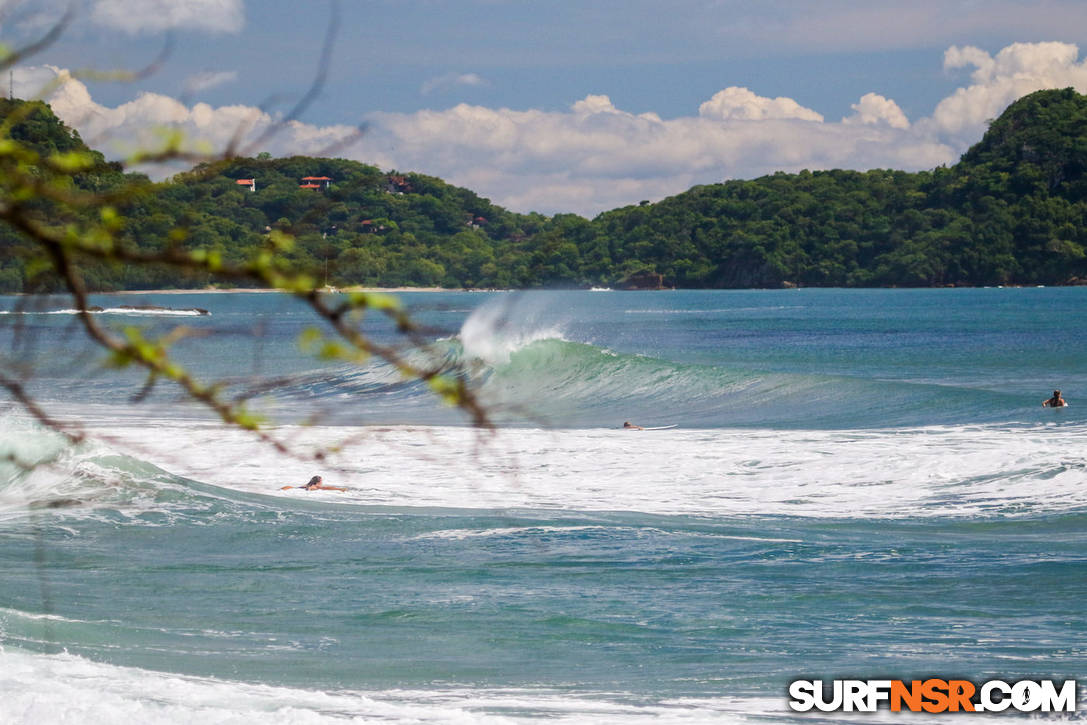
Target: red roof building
x=321, y=182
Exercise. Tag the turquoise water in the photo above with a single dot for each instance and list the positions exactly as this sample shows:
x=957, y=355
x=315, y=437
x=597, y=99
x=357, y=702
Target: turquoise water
x=861, y=483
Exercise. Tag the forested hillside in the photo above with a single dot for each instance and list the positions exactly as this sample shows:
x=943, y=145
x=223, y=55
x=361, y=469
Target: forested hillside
x=1012, y=211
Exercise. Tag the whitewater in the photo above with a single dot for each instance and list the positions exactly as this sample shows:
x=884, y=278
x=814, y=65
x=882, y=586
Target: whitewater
x=860, y=483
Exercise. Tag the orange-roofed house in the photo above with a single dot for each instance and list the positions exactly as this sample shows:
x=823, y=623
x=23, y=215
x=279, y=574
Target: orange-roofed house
x=251, y=183
x=322, y=182
x=309, y=186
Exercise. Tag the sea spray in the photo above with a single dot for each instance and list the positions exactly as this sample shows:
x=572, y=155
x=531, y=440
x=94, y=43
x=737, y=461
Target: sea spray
x=504, y=325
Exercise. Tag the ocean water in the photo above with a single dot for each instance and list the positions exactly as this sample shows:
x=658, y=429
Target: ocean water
x=859, y=483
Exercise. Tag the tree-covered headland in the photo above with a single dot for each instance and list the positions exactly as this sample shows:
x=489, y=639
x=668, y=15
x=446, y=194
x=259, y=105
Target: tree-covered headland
x=1013, y=210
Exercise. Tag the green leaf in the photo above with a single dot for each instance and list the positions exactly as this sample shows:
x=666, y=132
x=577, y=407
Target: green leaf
x=72, y=162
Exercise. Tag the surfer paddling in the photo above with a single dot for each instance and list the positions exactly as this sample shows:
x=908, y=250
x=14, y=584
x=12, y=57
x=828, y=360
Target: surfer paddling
x=1055, y=402
x=315, y=484
x=630, y=426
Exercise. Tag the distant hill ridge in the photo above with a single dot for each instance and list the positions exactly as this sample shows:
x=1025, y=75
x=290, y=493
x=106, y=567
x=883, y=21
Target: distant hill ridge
x=1012, y=211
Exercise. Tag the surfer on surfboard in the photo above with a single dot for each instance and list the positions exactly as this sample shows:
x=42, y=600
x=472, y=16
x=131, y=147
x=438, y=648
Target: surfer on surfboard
x=1055, y=402
x=315, y=484
x=630, y=426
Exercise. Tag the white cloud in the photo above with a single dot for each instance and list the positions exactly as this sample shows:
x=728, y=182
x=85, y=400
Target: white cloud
x=966, y=56
x=873, y=108
x=137, y=16
x=594, y=104
x=740, y=104
x=598, y=156
x=452, y=80
x=595, y=155
x=1016, y=70
x=138, y=124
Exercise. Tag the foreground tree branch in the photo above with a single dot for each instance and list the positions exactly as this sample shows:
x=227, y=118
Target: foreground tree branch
x=65, y=223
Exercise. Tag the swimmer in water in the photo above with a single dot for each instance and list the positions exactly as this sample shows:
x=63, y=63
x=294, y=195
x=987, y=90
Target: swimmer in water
x=1055, y=402
x=315, y=484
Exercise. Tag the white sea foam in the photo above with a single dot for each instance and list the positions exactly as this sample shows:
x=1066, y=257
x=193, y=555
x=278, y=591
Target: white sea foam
x=43, y=471
x=6, y=613
x=461, y=534
x=935, y=471
x=66, y=688
x=125, y=311
x=502, y=326
x=705, y=311
x=539, y=532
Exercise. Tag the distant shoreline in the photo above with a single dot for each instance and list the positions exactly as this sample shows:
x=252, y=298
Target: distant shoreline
x=395, y=290
x=246, y=290
x=338, y=290
x=265, y=290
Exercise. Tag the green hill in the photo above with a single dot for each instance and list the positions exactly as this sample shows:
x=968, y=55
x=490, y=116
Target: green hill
x=32, y=134
x=1012, y=211
x=372, y=227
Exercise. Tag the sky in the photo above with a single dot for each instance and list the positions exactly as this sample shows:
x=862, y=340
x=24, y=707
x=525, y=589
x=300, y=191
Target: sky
x=553, y=106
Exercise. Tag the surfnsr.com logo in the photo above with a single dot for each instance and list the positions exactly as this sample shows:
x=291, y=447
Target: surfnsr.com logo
x=933, y=695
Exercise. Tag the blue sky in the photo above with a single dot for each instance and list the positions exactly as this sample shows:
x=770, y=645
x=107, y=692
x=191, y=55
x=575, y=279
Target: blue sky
x=564, y=106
